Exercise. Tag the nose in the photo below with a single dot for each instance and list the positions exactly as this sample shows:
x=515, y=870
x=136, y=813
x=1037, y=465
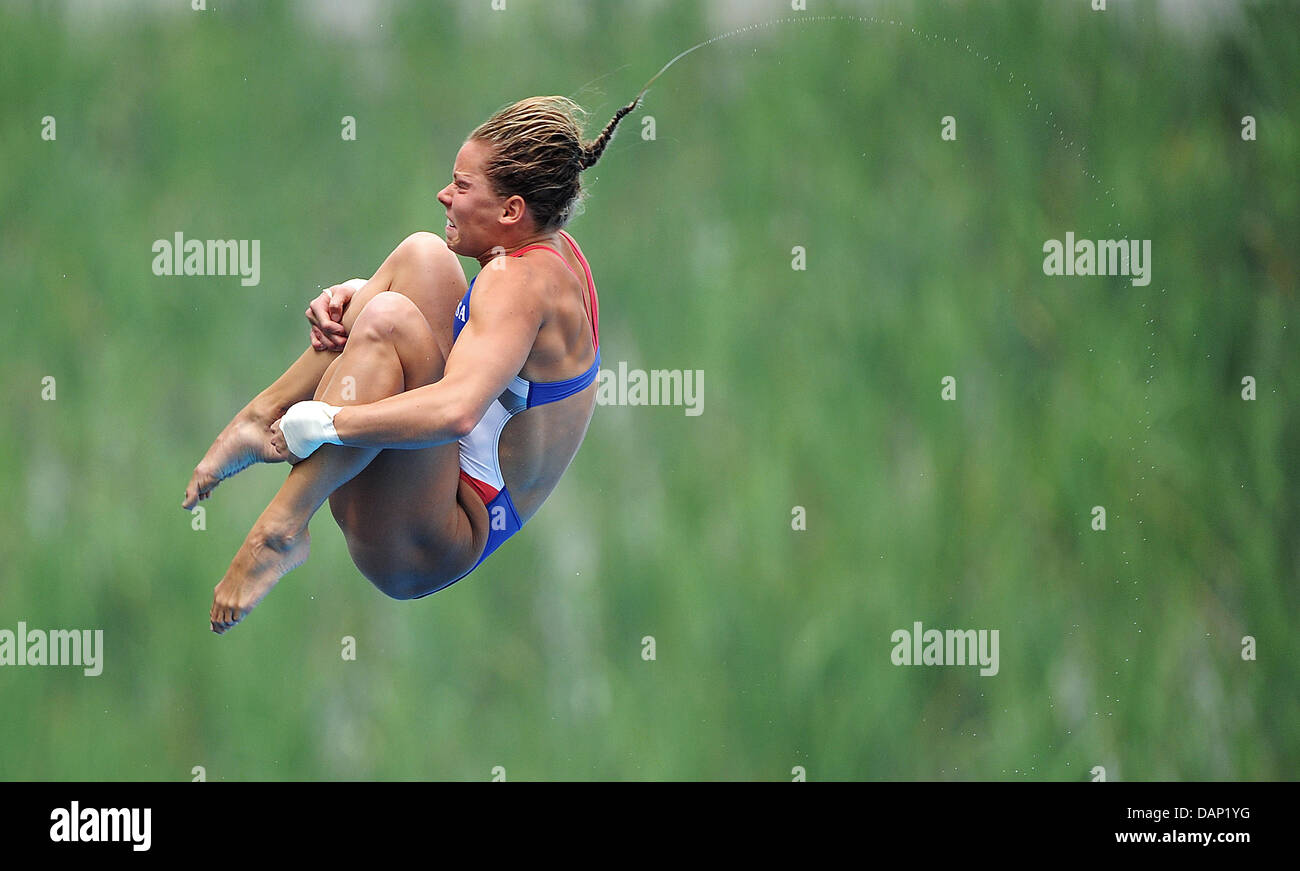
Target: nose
x=444, y=196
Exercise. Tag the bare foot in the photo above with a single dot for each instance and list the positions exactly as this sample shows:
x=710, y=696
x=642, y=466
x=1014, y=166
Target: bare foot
x=244, y=441
x=262, y=560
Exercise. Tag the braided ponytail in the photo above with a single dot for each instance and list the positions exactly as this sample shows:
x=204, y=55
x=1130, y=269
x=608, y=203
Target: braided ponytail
x=592, y=151
x=538, y=154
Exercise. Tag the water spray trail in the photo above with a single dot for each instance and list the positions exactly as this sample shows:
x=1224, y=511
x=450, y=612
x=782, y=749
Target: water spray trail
x=1031, y=102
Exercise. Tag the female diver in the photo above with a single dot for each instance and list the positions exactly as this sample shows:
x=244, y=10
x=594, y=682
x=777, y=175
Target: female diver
x=451, y=411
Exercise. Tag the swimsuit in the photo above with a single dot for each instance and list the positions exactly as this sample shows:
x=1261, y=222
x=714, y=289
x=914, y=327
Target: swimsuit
x=479, y=461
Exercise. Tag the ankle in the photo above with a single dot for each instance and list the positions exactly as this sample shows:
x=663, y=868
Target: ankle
x=277, y=536
x=263, y=410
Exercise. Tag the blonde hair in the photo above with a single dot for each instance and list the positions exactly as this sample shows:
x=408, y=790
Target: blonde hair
x=538, y=154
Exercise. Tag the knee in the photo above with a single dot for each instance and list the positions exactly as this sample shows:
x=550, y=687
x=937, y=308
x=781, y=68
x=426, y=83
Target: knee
x=422, y=250
x=387, y=314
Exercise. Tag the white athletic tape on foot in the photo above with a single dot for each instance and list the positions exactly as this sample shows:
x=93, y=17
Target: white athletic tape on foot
x=307, y=426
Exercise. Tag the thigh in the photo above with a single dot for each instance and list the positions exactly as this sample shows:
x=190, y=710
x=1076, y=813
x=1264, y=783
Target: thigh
x=409, y=514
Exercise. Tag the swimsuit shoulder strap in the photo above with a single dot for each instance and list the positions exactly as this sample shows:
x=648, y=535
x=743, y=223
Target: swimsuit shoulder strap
x=552, y=250
x=594, y=308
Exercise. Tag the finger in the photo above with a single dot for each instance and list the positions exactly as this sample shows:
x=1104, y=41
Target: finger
x=330, y=341
x=278, y=446
x=325, y=339
x=318, y=309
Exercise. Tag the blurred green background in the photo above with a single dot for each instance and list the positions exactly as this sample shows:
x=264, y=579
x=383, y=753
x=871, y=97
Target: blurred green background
x=1119, y=648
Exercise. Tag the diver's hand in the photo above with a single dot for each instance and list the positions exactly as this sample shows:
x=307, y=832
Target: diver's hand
x=325, y=313
x=304, y=428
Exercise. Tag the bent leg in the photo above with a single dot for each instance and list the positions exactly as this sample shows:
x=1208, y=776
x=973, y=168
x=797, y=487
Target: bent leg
x=402, y=509
x=423, y=269
x=390, y=349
